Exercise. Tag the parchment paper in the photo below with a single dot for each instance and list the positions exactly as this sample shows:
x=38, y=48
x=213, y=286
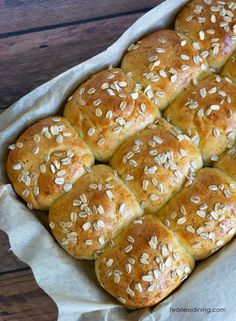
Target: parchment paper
x=70, y=283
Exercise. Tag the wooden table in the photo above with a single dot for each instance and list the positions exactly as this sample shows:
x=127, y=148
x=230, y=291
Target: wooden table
x=39, y=40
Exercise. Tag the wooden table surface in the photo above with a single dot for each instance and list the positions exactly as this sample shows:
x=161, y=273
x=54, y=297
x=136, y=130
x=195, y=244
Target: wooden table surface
x=40, y=39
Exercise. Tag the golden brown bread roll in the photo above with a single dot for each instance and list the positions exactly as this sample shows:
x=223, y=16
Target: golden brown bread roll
x=211, y=25
x=207, y=113
x=46, y=160
x=92, y=213
x=229, y=69
x=203, y=215
x=227, y=162
x=107, y=109
x=143, y=264
x=155, y=163
x=164, y=63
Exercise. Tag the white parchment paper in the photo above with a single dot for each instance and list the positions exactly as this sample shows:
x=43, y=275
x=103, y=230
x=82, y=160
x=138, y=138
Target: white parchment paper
x=70, y=283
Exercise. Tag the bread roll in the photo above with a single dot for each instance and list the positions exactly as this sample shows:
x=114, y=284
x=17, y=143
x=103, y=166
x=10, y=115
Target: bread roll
x=229, y=69
x=207, y=113
x=164, y=63
x=190, y=212
x=107, y=109
x=144, y=264
x=203, y=215
x=227, y=162
x=46, y=160
x=155, y=163
x=92, y=213
x=210, y=24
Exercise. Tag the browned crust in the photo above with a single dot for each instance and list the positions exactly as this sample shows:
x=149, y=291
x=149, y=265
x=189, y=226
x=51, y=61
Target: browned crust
x=227, y=162
x=155, y=157
x=203, y=215
x=163, y=75
x=229, y=69
x=207, y=112
x=107, y=109
x=217, y=40
x=33, y=151
x=124, y=262
x=97, y=208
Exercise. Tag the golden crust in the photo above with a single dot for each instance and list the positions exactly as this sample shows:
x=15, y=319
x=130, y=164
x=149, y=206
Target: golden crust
x=164, y=63
x=144, y=264
x=46, y=160
x=227, y=162
x=207, y=112
x=229, y=69
x=107, y=109
x=203, y=215
x=155, y=163
x=92, y=213
x=210, y=26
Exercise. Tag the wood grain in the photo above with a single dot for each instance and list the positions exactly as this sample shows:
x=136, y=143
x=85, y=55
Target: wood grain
x=38, y=40
x=2, y=110
x=22, y=299
x=8, y=261
x=28, y=61
x=22, y=14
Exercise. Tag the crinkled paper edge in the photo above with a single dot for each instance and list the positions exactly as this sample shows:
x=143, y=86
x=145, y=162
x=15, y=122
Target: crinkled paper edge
x=46, y=100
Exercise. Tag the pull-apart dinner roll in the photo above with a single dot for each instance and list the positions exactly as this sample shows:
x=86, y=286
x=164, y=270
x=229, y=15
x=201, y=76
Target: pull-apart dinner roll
x=97, y=212
x=211, y=25
x=143, y=264
x=203, y=215
x=155, y=163
x=229, y=70
x=164, y=63
x=227, y=162
x=107, y=109
x=46, y=160
x=93, y=212
x=207, y=113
